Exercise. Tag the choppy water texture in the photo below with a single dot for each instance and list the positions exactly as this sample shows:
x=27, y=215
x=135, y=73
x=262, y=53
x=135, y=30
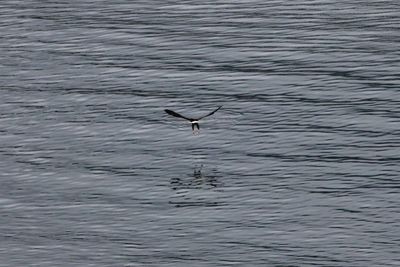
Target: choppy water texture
x=299, y=168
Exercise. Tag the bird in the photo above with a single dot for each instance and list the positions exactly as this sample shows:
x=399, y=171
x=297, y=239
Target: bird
x=193, y=121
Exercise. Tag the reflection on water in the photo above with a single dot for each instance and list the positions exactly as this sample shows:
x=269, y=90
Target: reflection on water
x=198, y=180
x=196, y=189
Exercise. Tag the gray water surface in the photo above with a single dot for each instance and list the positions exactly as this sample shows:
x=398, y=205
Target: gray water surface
x=300, y=167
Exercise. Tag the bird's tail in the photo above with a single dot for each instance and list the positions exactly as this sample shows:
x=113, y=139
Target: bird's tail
x=197, y=125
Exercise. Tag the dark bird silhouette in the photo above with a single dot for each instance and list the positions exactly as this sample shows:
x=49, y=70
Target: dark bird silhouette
x=193, y=121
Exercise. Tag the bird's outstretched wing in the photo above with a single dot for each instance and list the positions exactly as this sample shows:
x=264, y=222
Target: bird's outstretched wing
x=173, y=113
x=209, y=114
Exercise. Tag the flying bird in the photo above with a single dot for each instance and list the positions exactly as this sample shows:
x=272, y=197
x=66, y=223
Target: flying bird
x=193, y=121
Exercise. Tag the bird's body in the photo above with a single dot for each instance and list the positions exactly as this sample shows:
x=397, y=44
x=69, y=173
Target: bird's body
x=193, y=121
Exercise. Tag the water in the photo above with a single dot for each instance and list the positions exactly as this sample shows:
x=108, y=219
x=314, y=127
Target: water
x=299, y=168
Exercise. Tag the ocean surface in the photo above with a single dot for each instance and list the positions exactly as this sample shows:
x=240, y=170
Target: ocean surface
x=300, y=167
